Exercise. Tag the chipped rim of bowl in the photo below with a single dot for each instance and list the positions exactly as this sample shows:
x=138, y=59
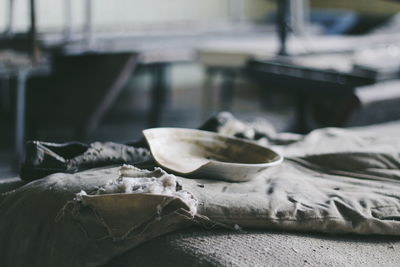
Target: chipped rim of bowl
x=276, y=161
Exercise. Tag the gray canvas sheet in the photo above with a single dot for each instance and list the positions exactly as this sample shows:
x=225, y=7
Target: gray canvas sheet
x=197, y=247
x=332, y=181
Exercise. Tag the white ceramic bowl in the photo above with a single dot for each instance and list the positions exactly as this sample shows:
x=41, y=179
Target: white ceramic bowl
x=203, y=154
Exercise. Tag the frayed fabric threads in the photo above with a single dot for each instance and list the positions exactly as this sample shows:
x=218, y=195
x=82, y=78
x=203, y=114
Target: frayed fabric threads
x=132, y=180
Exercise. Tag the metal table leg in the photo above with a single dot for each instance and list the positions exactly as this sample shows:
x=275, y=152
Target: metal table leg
x=283, y=20
x=158, y=92
x=301, y=121
x=207, y=94
x=114, y=91
x=10, y=19
x=227, y=89
x=20, y=114
x=5, y=93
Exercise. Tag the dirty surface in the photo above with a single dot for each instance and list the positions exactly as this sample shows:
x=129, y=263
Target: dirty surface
x=44, y=224
x=262, y=248
x=333, y=181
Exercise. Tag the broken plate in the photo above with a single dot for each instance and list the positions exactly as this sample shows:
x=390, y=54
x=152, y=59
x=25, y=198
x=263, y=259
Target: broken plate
x=204, y=154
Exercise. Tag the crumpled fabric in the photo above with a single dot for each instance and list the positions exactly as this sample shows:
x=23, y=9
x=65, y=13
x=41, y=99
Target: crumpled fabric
x=331, y=181
x=49, y=222
x=43, y=158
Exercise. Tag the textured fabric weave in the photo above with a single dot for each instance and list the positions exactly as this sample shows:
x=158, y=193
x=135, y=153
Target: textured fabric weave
x=261, y=248
x=332, y=181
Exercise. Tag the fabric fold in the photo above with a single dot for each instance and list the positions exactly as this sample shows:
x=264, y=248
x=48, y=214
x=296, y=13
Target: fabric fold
x=332, y=181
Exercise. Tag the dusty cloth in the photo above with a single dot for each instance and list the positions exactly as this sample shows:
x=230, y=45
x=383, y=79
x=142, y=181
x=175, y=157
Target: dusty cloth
x=196, y=247
x=43, y=158
x=332, y=181
x=50, y=222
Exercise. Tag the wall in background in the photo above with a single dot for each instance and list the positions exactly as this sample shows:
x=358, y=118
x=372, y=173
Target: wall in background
x=122, y=12
x=366, y=6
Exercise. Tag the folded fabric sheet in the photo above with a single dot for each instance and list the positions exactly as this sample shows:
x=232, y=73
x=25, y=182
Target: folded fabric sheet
x=43, y=158
x=52, y=222
x=332, y=181
x=196, y=247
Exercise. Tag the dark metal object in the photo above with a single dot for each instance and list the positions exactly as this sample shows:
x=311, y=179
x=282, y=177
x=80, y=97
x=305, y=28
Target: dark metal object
x=282, y=21
x=88, y=23
x=228, y=89
x=93, y=83
x=112, y=94
x=159, y=92
x=10, y=18
x=307, y=84
x=5, y=96
x=21, y=75
x=67, y=21
x=33, y=33
x=20, y=113
x=293, y=73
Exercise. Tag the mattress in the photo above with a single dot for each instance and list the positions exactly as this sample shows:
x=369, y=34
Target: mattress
x=197, y=247
x=201, y=247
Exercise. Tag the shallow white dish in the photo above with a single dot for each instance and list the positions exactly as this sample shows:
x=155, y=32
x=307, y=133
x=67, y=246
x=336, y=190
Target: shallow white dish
x=203, y=154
